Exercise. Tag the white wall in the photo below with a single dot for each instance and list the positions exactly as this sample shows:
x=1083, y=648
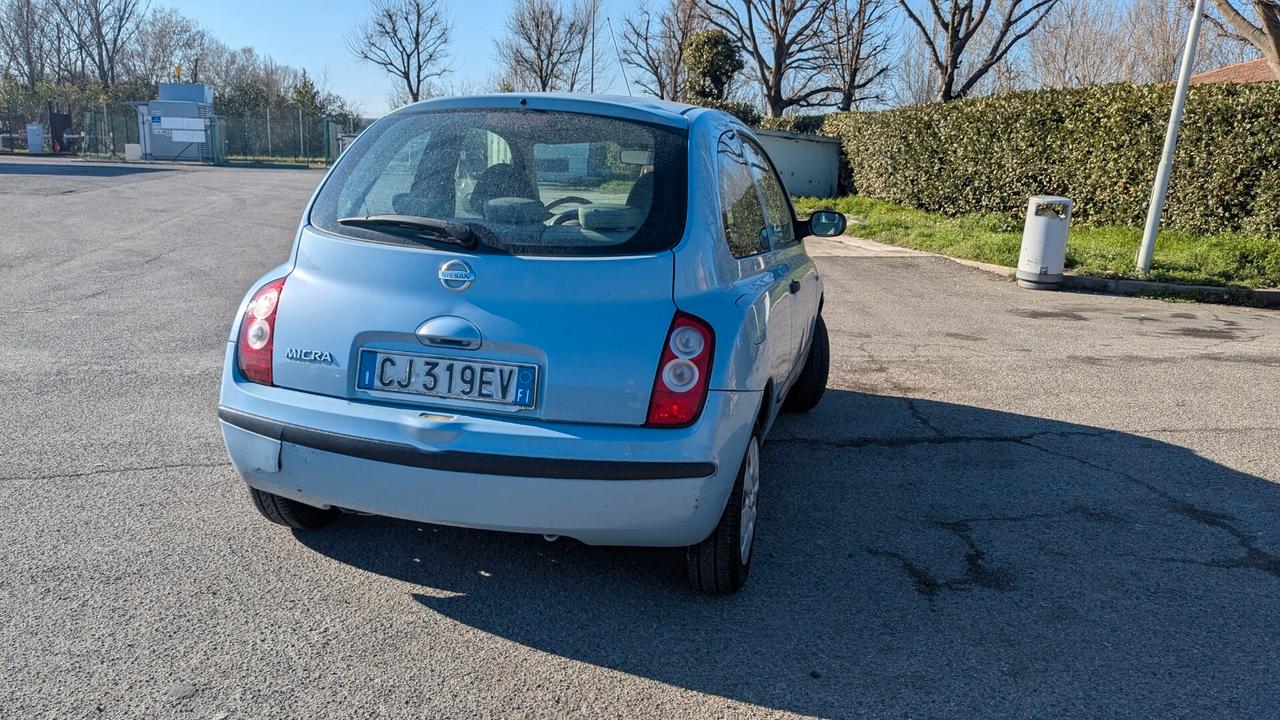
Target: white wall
x=808, y=164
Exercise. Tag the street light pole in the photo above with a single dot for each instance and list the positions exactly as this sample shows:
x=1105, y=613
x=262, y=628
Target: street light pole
x=1161, y=188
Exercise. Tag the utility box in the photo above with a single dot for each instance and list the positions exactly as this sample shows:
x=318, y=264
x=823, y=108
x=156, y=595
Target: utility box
x=35, y=139
x=1044, y=243
x=179, y=124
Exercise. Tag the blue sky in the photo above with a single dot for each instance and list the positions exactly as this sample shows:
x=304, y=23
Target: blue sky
x=313, y=34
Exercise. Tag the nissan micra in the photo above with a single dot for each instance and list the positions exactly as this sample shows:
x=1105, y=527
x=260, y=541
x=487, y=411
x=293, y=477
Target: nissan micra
x=563, y=315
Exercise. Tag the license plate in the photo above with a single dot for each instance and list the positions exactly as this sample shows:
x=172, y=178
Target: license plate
x=448, y=377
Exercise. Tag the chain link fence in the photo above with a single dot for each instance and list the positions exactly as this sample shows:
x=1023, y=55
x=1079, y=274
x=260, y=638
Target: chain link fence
x=106, y=131
x=13, y=132
x=292, y=137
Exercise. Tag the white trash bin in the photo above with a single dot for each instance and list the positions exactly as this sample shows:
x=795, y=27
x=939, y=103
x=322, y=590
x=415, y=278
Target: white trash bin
x=1044, y=243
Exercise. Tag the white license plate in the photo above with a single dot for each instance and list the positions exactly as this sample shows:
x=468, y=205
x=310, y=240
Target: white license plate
x=448, y=377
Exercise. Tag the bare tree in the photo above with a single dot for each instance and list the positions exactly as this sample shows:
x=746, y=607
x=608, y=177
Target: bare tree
x=913, y=81
x=23, y=40
x=165, y=40
x=1158, y=29
x=547, y=45
x=855, y=56
x=951, y=25
x=407, y=38
x=1150, y=39
x=66, y=63
x=653, y=44
x=783, y=40
x=1082, y=44
x=1265, y=36
x=101, y=30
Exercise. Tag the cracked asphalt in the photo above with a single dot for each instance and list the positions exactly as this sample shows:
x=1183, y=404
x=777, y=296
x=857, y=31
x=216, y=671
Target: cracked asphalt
x=1010, y=504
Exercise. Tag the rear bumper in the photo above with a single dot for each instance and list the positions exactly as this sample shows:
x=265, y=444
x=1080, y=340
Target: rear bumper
x=603, y=485
x=463, y=461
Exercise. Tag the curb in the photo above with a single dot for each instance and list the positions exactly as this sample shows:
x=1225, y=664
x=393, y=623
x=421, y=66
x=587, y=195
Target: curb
x=1269, y=298
x=1118, y=286
x=1122, y=286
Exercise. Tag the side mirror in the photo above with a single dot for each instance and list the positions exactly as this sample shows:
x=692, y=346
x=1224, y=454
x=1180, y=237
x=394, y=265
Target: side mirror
x=826, y=223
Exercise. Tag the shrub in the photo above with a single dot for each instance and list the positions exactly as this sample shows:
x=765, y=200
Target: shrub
x=1098, y=146
x=745, y=112
x=712, y=59
x=811, y=124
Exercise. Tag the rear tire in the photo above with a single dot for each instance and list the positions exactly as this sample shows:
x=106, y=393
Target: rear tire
x=291, y=513
x=720, y=564
x=808, y=389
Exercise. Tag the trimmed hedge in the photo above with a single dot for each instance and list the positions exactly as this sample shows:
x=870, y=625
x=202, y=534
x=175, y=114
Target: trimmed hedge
x=745, y=112
x=811, y=124
x=1098, y=146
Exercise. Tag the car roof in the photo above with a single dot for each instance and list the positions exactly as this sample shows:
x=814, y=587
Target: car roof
x=643, y=109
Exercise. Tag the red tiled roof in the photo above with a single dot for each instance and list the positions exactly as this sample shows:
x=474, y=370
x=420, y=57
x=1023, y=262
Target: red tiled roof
x=1254, y=71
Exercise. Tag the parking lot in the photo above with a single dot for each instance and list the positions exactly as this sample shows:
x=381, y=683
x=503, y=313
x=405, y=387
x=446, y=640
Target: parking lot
x=1009, y=504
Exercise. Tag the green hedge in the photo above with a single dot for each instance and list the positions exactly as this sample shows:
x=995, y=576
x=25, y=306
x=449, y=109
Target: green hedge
x=1098, y=146
x=745, y=112
x=795, y=123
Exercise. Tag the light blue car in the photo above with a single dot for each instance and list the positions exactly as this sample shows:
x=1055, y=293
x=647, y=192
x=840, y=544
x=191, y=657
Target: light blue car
x=564, y=315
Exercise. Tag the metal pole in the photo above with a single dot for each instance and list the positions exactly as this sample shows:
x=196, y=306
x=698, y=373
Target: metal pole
x=300, y=151
x=268, y=130
x=1161, y=187
x=621, y=65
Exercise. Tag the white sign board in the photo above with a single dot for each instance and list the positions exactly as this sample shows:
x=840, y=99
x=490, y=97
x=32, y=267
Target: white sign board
x=182, y=123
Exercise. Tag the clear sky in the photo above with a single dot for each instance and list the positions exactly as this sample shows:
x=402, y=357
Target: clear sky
x=312, y=35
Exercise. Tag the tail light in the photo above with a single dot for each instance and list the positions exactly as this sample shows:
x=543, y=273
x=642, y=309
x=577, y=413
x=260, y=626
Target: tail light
x=258, y=333
x=684, y=373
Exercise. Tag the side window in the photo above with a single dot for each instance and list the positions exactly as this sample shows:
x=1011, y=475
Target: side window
x=782, y=229
x=744, y=224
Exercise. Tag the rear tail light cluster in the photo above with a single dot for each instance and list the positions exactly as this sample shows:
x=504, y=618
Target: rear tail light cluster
x=684, y=373
x=257, y=333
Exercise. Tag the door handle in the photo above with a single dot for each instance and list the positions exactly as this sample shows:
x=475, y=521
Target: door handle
x=795, y=286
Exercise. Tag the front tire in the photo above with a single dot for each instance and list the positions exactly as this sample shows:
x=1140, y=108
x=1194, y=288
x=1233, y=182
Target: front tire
x=808, y=389
x=291, y=513
x=720, y=564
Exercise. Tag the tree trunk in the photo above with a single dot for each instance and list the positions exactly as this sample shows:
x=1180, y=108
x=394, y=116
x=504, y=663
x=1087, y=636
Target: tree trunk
x=775, y=105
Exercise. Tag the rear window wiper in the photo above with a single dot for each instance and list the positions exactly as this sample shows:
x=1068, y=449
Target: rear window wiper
x=418, y=227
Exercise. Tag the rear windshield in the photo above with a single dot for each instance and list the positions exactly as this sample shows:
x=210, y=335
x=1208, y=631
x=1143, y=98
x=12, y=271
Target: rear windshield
x=526, y=182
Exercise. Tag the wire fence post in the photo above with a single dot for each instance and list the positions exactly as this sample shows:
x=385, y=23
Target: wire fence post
x=268, y=130
x=301, y=151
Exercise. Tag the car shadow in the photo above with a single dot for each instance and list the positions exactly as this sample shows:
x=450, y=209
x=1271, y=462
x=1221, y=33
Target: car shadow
x=74, y=169
x=914, y=558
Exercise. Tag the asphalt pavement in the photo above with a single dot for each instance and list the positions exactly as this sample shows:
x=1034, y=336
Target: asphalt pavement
x=1010, y=504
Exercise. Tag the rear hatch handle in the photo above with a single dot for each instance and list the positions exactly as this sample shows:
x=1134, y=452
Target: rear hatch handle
x=450, y=331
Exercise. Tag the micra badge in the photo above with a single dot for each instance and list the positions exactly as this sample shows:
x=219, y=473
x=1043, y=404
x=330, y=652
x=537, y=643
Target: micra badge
x=319, y=357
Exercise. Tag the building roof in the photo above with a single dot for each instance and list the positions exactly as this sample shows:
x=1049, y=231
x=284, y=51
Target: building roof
x=1253, y=71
